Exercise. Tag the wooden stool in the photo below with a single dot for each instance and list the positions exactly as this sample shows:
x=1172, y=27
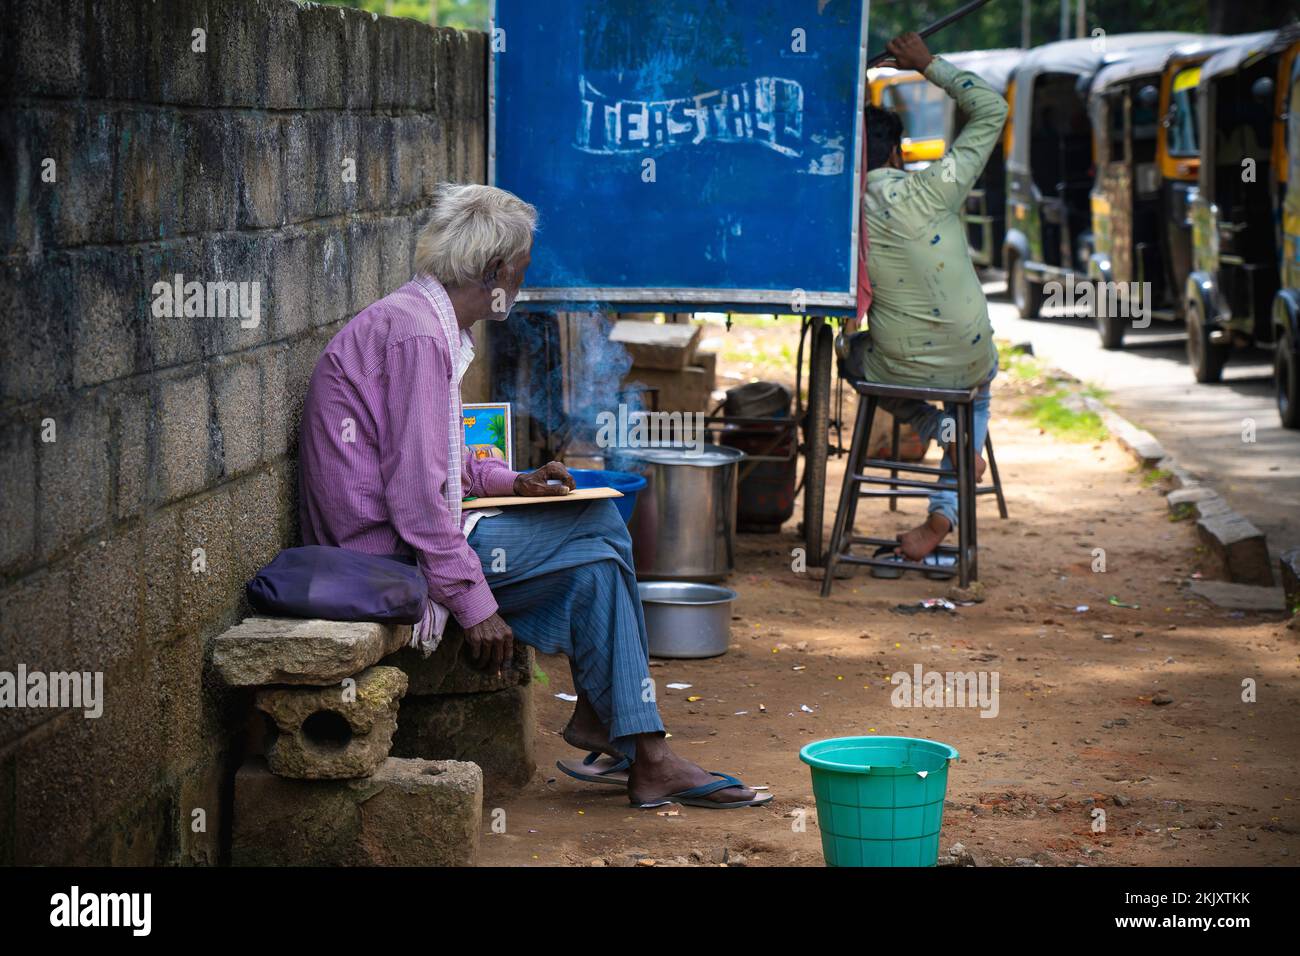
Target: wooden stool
x=960, y=478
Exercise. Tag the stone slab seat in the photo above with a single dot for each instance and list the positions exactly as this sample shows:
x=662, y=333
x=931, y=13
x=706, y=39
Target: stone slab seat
x=285, y=650
x=450, y=710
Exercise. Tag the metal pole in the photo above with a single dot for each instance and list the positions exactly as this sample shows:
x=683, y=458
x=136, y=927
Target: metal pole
x=1065, y=19
x=1024, y=24
x=1081, y=20
x=937, y=26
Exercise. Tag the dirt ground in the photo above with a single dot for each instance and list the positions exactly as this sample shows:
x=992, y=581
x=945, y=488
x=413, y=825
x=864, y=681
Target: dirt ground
x=1202, y=779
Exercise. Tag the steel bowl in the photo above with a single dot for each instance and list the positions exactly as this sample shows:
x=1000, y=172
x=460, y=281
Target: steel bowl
x=686, y=619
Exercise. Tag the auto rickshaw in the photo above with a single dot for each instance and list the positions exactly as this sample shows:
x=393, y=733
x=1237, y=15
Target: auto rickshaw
x=1286, y=304
x=1232, y=294
x=985, y=214
x=1143, y=128
x=1049, y=149
x=920, y=104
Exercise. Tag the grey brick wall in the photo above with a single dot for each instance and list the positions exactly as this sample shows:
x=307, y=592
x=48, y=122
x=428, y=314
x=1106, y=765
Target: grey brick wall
x=172, y=434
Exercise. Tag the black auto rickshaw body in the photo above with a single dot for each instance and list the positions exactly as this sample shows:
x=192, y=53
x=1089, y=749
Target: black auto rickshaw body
x=1236, y=206
x=985, y=214
x=1286, y=304
x=1050, y=160
x=1141, y=231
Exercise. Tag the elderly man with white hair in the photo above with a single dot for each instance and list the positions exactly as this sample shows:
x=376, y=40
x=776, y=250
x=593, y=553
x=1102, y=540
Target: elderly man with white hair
x=383, y=470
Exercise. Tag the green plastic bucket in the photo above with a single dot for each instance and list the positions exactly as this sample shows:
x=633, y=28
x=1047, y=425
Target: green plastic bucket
x=879, y=799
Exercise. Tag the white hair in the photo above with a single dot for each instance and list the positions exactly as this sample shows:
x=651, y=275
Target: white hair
x=472, y=225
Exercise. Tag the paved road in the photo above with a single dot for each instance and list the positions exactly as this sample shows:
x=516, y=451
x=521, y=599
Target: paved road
x=1200, y=425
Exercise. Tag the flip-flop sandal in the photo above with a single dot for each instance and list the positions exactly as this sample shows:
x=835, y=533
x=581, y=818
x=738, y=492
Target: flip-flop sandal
x=943, y=564
x=597, y=767
x=693, y=796
x=889, y=553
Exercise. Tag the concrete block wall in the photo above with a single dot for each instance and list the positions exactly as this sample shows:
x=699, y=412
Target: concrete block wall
x=128, y=440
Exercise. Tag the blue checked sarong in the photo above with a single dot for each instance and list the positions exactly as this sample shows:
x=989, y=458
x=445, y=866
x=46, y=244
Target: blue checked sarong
x=569, y=587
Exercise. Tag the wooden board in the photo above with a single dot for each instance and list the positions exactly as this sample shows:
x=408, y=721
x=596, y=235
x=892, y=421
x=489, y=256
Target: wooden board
x=578, y=494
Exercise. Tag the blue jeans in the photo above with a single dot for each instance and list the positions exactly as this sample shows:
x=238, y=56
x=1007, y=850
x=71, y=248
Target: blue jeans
x=928, y=420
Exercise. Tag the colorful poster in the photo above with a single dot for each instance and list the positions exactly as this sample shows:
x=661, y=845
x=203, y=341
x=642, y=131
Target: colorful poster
x=487, y=430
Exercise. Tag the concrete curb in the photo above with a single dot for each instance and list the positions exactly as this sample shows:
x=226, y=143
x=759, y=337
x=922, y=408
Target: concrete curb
x=1239, y=547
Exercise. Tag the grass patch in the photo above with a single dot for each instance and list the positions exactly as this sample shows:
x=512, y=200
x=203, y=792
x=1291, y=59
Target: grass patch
x=1182, y=512
x=1054, y=415
x=1153, y=476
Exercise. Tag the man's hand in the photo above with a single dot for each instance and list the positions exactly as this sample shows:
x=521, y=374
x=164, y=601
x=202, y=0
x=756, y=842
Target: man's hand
x=909, y=53
x=533, y=484
x=491, y=644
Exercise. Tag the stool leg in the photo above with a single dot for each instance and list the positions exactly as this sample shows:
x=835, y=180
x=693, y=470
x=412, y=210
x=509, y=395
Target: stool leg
x=893, y=456
x=963, y=510
x=993, y=469
x=971, y=544
x=849, y=490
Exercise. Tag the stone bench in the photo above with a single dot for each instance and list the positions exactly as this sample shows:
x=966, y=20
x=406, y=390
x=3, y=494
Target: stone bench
x=349, y=711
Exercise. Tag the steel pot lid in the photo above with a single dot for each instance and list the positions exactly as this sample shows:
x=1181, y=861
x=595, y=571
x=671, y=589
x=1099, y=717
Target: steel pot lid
x=686, y=593
x=702, y=456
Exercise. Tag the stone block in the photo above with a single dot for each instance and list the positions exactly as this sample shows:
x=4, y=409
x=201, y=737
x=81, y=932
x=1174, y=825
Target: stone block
x=1240, y=597
x=276, y=401
x=375, y=148
x=283, y=650
x=288, y=310
x=494, y=730
x=131, y=448
x=171, y=340
x=448, y=669
x=237, y=399
x=397, y=241
x=1238, y=546
x=74, y=475
x=183, y=436
x=35, y=630
x=409, y=813
x=332, y=733
x=331, y=291
x=365, y=253
x=45, y=43
x=18, y=492
x=1288, y=564
x=322, y=36
x=211, y=579
x=260, y=176
x=36, y=325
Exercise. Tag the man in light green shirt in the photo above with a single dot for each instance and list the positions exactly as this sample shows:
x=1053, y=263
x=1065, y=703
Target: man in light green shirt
x=928, y=324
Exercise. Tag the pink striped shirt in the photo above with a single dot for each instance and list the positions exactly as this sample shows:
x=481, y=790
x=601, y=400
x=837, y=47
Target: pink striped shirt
x=373, y=446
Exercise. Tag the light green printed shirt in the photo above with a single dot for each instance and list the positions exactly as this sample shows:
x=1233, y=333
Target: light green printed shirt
x=929, y=321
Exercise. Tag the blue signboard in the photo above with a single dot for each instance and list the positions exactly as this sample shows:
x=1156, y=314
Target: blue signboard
x=683, y=152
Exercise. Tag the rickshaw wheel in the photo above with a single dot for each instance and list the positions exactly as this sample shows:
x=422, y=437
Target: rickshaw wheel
x=1286, y=375
x=816, y=440
x=1205, y=358
x=1109, y=327
x=1027, y=297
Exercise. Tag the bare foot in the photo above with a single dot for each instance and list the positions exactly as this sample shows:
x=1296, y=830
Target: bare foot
x=585, y=731
x=924, y=538
x=980, y=464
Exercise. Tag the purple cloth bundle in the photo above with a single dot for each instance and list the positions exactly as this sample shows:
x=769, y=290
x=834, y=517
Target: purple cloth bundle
x=340, y=585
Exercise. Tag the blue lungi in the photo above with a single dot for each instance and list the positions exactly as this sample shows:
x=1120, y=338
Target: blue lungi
x=569, y=587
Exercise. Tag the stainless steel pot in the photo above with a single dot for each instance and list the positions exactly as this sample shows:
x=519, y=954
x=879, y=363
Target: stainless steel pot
x=685, y=619
x=684, y=524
